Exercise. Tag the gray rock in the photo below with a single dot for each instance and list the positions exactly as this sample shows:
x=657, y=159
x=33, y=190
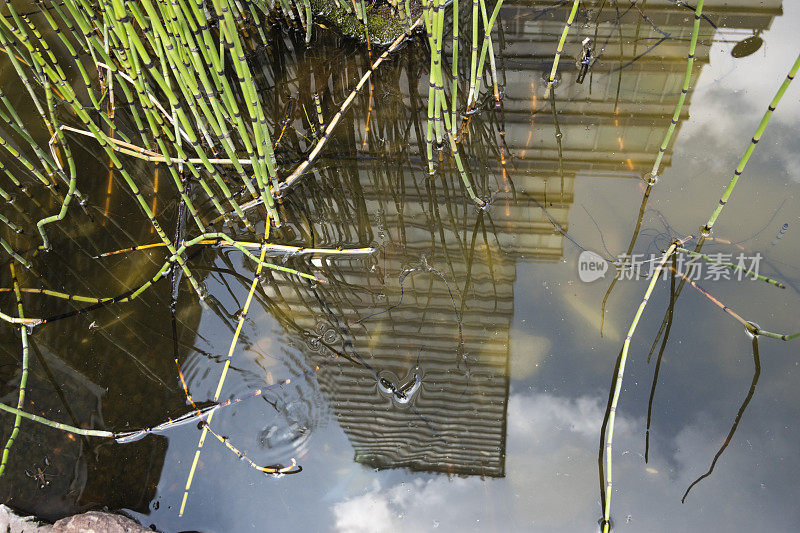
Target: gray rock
x=96, y=522
x=13, y=523
x=89, y=522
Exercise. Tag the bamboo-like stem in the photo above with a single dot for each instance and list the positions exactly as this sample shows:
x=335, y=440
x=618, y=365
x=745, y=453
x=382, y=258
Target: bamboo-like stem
x=154, y=157
x=7, y=247
x=752, y=146
x=60, y=295
x=715, y=301
x=56, y=76
x=124, y=437
x=56, y=425
x=751, y=327
x=612, y=412
x=205, y=415
x=698, y=12
x=217, y=238
x=224, y=372
x=661, y=151
x=551, y=78
x=779, y=336
x=273, y=248
x=294, y=176
x=473, y=64
x=59, y=137
x=9, y=223
x=740, y=268
x=472, y=98
x=454, y=72
x=24, y=375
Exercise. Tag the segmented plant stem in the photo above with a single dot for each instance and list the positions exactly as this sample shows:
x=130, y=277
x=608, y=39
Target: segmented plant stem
x=752, y=146
x=612, y=413
x=23, y=376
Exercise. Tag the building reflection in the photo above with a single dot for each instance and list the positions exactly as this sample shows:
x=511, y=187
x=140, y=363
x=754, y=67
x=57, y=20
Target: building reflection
x=611, y=124
x=451, y=328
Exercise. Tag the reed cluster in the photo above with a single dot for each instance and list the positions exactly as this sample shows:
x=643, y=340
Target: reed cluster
x=171, y=85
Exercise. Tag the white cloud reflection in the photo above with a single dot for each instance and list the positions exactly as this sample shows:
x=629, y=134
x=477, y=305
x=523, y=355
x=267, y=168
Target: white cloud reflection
x=552, y=484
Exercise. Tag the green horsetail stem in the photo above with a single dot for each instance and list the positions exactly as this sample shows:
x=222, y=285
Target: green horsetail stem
x=298, y=172
x=462, y=172
x=472, y=98
x=224, y=373
x=10, y=224
x=698, y=12
x=176, y=179
x=24, y=375
x=7, y=46
x=133, y=48
x=258, y=120
x=473, y=64
x=612, y=410
x=165, y=268
x=14, y=180
x=257, y=22
x=780, y=336
x=752, y=146
x=3, y=193
x=551, y=78
x=42, y=44
x=72, y=188
x=454, y=72
x=148, y=155
x=427, y=7
x=230, y=241
x=746, y=271
x=751, y=328
x=10, y=117
x=272, y=248
x=218, y=118
x=309, y=22
x=59, y=79
x=431, y=27
x=30, y=167
x=182, y=157
x=56, y=425
x=7, y=247
x=438, y=14
x=54, y=27
x=493, y=69
x=661, y=151
x=145, y=95
x=125, y=437
x=60, y=295
x=167, y=264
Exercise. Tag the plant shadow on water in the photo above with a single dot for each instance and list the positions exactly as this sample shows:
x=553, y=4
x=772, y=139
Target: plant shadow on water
x=444, y=355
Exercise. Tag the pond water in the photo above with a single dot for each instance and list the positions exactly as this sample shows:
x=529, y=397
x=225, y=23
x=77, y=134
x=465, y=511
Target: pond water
x=465, y=365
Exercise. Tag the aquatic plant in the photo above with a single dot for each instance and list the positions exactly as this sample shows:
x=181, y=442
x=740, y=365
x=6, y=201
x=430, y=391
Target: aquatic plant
x=755, y=331
x=171, y=87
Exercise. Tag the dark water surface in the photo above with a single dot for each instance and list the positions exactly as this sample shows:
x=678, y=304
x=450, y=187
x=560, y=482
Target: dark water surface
x=495, y=337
